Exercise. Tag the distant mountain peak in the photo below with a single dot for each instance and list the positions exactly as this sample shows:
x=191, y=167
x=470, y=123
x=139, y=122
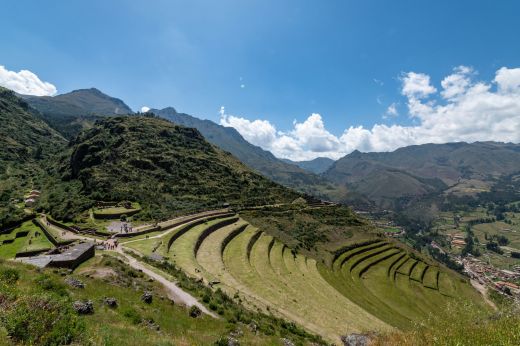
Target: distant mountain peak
x=71, y=112
x=169, y=110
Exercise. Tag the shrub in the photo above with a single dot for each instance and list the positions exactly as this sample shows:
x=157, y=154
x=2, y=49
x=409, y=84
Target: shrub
x=41, y=319
x=195, y=311
x=132, y=315
x=9, y=275
x=47, y=283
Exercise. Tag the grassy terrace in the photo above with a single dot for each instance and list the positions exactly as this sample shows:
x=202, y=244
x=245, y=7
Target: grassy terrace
x=375, y=286
x=182, y=250
x=391, y=285
x=30, y=242
x=431, y=278
x=275, y=275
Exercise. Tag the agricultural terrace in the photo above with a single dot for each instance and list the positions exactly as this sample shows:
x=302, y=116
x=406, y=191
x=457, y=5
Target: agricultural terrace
x=392, y=284
x=27, y=238
x=375, y=285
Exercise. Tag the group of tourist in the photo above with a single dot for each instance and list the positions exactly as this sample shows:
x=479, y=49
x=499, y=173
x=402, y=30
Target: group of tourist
x=126, y=228
x=110, y=244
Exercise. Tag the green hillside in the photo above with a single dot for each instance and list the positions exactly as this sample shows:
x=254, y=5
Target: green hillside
x=25, y=142
x=228, y=139
x=167, y=168
x=37, y=309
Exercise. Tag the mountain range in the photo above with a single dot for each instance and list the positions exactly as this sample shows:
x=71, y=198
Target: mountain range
x=317, y=166
x=419, y=170
x=378, y=180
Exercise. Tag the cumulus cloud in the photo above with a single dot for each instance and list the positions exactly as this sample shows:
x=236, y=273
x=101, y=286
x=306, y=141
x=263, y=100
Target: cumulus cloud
x=258, y=132
x=464, y=109
x=145, y=109
x=416, y=85
x=25, y=82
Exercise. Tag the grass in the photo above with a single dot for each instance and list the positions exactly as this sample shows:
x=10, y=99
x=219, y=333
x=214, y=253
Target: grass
x=407, y=267
x=368, y=287
x=235, y=313
x=209, y=257
x=377, y=278
x=182, y=250
x=431, y=277
x=30, y=242
x=115, y=211
x=417, y=271
x=274, y=276
x=458, y=324
x=125, y=325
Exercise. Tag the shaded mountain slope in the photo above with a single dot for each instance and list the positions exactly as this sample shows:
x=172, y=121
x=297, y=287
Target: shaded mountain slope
x=316, y=166
x=25, y=140
x=166, y=167
x=263, y=161
x=72, y=112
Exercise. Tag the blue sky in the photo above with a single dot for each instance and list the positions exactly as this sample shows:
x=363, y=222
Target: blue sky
x=270, y=61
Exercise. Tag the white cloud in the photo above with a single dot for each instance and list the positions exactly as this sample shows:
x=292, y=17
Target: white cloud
x=463, y=110
x=508, y=80
x=417, y=85
x=258, y=132
x=456, y=83
x=145, y=109
x=391, y=111
x=25, y=82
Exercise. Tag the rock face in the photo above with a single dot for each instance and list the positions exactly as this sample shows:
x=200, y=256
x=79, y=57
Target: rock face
x=83, y=307
x=111, y=302
x=355, y=339
x=74, y=282
x=147, y=297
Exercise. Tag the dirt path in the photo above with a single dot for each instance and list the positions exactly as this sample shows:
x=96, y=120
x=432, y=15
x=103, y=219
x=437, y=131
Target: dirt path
x=63, y=233
x=483, y=290
x=174, y=292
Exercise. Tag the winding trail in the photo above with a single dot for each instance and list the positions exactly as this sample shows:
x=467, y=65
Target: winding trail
x=483, y=290
x=174, y=292
x=178, y=295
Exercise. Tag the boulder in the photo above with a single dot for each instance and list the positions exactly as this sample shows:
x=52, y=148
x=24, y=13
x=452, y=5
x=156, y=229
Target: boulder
x=83, y=307
x=150, y=323
x=356, y=339
x=111, y=302
x=253, y=327
x=232, y=341
x=287, y=342
x=147, y=297
x=74, y=282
